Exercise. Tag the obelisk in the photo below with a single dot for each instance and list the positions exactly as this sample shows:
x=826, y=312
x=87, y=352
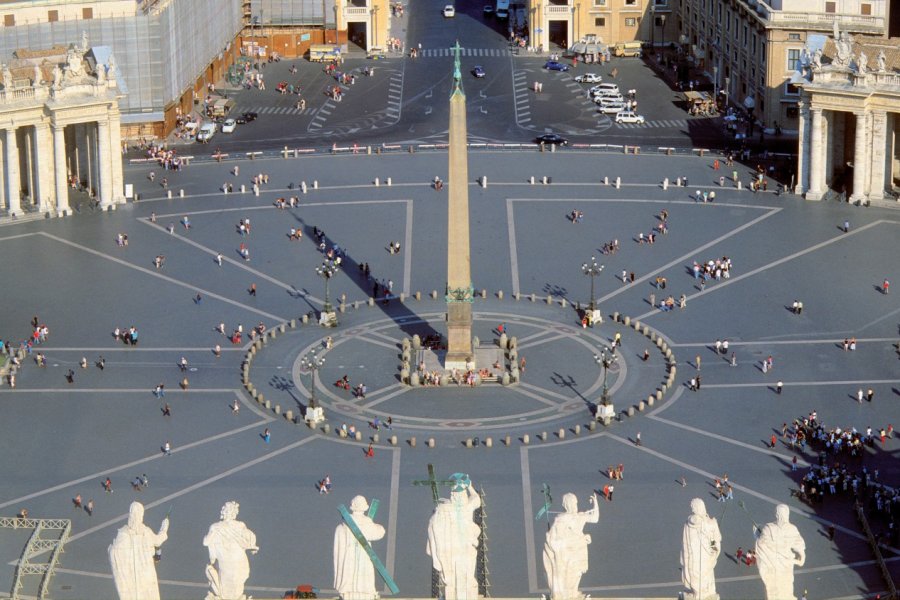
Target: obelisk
x=459, y=273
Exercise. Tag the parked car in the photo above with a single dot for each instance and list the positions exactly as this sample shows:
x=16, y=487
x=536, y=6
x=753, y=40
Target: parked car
x=449, y=11
x=229, y=126
x=488, y=10
x=588, y=78
x=478, y=71
x=247, y=117
x=551, y=138
x=207, y=131
x=606, y=100
x=552, y=65
x=629, y=116
x=604, y=88
x=613, y=108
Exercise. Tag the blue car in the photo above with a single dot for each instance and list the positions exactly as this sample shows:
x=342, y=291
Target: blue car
x=553, y=65
x=478, y=71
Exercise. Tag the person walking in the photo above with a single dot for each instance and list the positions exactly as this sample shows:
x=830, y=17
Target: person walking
x=166, y=410
x=370, y=452
x=167, y=448
x=870, y=394
x=90, y=507
x=637, y=439
x=235, y=407
x=778, y=387
x=886, y=287
x=267, y=435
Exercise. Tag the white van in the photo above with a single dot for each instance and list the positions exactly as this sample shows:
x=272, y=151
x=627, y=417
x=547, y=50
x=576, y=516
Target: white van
x=604, y=89
x=207, y=131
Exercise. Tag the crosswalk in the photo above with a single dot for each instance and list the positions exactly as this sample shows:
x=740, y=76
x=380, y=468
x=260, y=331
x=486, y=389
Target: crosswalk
x=672, y=123
x=470, y=52
x=275, y=110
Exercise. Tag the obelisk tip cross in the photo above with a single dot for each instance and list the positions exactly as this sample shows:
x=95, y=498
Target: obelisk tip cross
x=457, y=70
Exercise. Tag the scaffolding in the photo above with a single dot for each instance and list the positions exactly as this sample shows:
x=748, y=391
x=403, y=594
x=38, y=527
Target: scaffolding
x=483, y=574
x=38, y=545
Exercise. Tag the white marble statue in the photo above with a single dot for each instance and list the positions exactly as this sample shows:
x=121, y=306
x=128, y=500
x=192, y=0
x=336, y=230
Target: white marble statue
x=779, y=548
x=7, y=78
x=74, y=62
x=843, y=50
x=84, y=41
x=354, y=573
x=566, y=548
x=701, y=544
x=111, y=67
x=57, y=77
x=37, y=77
x=453, y=543
x=101, y=73
x=862, y=62
x=817, y=59
x=882, y=59
x=228, y=542
x=131, y=556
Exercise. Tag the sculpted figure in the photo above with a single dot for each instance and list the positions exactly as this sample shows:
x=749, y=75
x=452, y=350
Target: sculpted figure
x=57, y=77
x=701, y=543
x=453, y=543
x=882, y=59
x=354, y=573
x=111, y=67
x=37, y=77
x=566, y=548
x=844, y=50
x=817, y=59
x=131, y=556
x=228, y=568
x=74, y=64
x=862, y=62
x=779, y=548
x=7, y=78
x=101, y=73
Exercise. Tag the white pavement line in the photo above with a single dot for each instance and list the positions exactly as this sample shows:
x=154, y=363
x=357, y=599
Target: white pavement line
x=112, y=470
x=879, y=319
x=513, y=253
x=17, y=236
x=529, y=521
x=270, y=207
x=130, y=349
x=241, y=264
x=365, y=338
x=253, y=406
x=789, y=257
x=393, y=394
x=784, y=342
x=392, y=525
x=534, y=336
x=158, y=275
x=519, y=390
x=407, y=256
x=540, y=390
x=196, y=486
x=863, y=382
x=146, y=390
x=687, y=256
x=736, y=486
x=546, y=340
x=786, y=458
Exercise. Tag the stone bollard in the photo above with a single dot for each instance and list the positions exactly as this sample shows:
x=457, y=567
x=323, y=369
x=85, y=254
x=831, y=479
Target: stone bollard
x=544, y=436
x=666, y=183
x=651, y=401
x=358, y=436
x=507, y=441
x=371, y=301
x=544, y=179
x=561, y=434
x=468, y=442
x=304, y=319
x=483, y=293
x=592, y=425
x=393, y=440
x=268, y=403
x=646, y=330
x=526, y=439
x=389, y=181
x=377, y=182
x=404, y=376
x=500, y=295
x=254, y=393
x=668, y=353
x=577, y=430
x=303, y=186
x=431, y=442
x=418, y=295
x=739, y=185
x=533, y=297
x=293, y=323
x=641, y=406
x=434, y=294
x=505, y=379
x=412, y=442
x=531, y=180
x=630, y=411
x=326, y=428
x=375, y=438
x=606, y=181
x=658, y=395
x=243, y=189
x=616, y=317
x=659, y=342
x=549, y=298
x=416, y=341
x=637, y=325
x=626, y=321
x=315, y=184
x=488, y=442
x=405, y=344
x=504, y=341
x=618, y=182
x=516, y=296
x=277, y=409
x=356, y=305
x=484, y=181
x=564, y=303
x=342, y=308
x=402, y=297
x=414, y=379
x=289, y=416
x=169, y=194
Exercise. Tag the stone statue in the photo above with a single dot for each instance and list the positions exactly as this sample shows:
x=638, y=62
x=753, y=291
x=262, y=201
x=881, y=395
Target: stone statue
x=843, y=50
x=354, y=573
x=228, y=542
x=817, y=60
x=779, y=548
x=37, y=77
x=74, y=62
x=701, y=543
x=882, y=59
x=566, y=548
x=7, y=78
x=453, y=542
x=57, y=77
x=862, y=62
x=131, y=556
x=111, y=67
x=84, y=41
x=101, y=73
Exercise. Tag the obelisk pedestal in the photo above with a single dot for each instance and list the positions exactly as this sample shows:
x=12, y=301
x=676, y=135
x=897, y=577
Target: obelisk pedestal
x=460, y=293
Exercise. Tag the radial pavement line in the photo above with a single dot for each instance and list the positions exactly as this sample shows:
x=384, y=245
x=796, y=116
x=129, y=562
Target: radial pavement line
x=365, y=338
x=68, y=390
x=392, y=524
x=158, y=275
x=863, y=382
x=513, y=252
x=130, y=349
x=547, y=340
x=393, y=394
x=766, y=267
x=155, y=456
x=530, y=555
x=519, y=390
x=270, y=207
x=17, y=236
x=783, y=342
x=407, y=251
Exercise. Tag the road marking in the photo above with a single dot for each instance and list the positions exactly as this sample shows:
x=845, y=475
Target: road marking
x=159, y=275
x=513, y=253
x=407, y=256
x=784, y=342
x=392, y=525
x=530, y=557
x=862, y=382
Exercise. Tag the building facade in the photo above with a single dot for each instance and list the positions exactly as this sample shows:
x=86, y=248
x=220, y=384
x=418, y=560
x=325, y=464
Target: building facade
x=59, y=112
x=849, y=120
x=751, y=49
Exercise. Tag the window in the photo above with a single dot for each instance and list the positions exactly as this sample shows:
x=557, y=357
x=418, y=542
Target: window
x=630, y=22
x=87, y=13
x=746, y=35
x=753, y=44
x=727, y=24
x=661, y=2
x=866, y=9
x=794, y=37
x=9, y=20
x=599, y=21
x=630, y=2
x=762, y=52
x=53, y=16
x=599, y=2
x=792, y=112
x=831, y=7
x=791, y=90
x=793, y=59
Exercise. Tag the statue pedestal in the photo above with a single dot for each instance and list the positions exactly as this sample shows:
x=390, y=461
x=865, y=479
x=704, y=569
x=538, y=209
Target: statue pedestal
x=314, y=416
x=328, y=319
x=605, y=413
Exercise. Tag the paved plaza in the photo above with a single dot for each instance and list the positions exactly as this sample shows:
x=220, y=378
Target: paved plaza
x=64, y=439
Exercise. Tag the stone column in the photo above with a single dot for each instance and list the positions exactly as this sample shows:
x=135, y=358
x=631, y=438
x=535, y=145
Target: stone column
x=816, y=157
x=115, y=145
x=62, y=185
x=860, y=164
x=12, y=173
x=29, y=164
x=803, y=133
x=879, y=155
x=104, y=164
x=2, y=175
x=44, y=167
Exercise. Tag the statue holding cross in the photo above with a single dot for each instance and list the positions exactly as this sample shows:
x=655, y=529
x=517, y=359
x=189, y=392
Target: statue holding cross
x=453, y=539
x=355, y=562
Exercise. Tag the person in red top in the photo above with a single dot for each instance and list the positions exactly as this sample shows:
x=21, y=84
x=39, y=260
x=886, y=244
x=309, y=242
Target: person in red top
x=886, y=286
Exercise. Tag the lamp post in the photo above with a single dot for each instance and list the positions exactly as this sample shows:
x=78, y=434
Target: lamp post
x=662, y=32
x=606, y=358
x=592, y=269
x=327, y=270
x=653, y=27
x=312, y=363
